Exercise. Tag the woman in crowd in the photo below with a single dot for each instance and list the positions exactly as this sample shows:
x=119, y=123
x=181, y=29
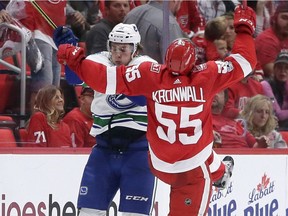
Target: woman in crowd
x=45, y=127
x=261, y=121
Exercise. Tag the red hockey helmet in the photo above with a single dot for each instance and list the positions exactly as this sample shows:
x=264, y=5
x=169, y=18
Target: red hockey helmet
x=180, y=56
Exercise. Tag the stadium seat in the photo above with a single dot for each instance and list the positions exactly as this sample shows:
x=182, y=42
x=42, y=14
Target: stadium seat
x=6, y=86
x=7, y=122
x=22, y=133
x=7, y=80
x=6, y=118
x=7, y=138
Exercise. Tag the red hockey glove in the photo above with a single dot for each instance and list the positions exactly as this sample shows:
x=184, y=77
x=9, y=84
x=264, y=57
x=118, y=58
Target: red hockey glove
x=244, y=20
x=70, y=55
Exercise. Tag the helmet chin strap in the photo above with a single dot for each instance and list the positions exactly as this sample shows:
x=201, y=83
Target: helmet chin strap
x=133, y=54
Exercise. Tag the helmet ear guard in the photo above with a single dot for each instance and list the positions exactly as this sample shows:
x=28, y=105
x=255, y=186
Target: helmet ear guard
x=124, y=33
x=180, y=56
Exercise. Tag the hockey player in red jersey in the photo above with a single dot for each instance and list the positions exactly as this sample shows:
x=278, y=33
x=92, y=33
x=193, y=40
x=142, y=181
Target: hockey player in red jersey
x=179, y=96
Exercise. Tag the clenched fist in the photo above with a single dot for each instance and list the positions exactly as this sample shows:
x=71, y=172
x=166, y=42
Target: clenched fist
x=244, y=20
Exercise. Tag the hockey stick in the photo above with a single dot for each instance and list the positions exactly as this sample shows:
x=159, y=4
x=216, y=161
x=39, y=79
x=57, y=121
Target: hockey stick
x=72, y=78
x=44, y=15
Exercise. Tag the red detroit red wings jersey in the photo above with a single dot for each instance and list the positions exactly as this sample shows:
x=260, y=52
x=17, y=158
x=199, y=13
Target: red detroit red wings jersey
x=179, y=107
x=43, y=135
x=80, y=126
x=55, y=10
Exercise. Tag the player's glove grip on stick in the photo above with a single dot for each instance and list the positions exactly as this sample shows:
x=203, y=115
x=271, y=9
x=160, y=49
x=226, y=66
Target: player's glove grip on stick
x=244, y=20
x=64, y=35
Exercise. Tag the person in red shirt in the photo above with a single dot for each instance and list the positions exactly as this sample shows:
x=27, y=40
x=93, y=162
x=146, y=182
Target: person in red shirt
x=179, y=96
x=80, y=120
x=190, y=19
x=239, y=93
x=214, y=30
x=45, y=127
x=232, y=133
x=274, y=39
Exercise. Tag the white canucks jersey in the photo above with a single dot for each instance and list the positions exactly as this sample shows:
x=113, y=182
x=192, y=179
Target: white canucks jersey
x=116, y=109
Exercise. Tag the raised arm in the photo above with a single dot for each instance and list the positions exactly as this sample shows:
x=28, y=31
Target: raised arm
x=244, y=45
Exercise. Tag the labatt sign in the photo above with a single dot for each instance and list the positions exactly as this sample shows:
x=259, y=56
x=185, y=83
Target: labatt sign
x=261, y=201
x=48, y=185
x=262, y=191
x=227, y=208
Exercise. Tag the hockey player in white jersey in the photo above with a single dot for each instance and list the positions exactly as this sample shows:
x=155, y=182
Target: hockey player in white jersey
x=120, y=159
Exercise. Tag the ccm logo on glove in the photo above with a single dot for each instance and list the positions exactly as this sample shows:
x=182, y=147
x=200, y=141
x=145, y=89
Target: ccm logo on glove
x=75, y=50
x=248, y=21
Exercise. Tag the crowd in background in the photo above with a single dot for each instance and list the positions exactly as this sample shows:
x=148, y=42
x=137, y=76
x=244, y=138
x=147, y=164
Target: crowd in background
x=251, y=114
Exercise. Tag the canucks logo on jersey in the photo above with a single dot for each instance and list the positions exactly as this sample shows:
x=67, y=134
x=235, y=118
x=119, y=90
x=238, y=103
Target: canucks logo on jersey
x=120, y=102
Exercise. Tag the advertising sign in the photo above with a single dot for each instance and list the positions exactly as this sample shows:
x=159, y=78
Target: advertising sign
x=48, y=184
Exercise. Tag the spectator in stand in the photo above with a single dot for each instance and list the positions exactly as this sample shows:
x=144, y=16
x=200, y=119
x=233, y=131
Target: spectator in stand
x=42, y=33
x=80, y=120
x=149, y=20
x=193, y=24
x=276, y=88
x=45, y=127
x=239, y=93
x=219, y=28
x=222, y=48
x=190, y=19
x=213, y=9
x=115, y=11
x=230, y=33
x=81, y=16
x=231, y=133
x=214, y=30
x=261, y=121
x=271, y=41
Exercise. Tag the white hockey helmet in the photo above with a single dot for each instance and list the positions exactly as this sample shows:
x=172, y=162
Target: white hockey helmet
x=124, y=33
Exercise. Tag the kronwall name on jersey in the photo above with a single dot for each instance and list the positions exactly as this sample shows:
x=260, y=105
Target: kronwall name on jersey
x=186, y=93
